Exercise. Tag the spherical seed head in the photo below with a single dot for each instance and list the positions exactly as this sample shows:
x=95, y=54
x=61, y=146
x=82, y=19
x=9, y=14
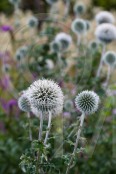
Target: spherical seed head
x=79, y=26
x=24, y=103
x=79, y=8
x=46, y=95
x=6, y=68
x=87, y=102
x=106, y=33
x=33, y=22
x=104, y=17
x=55, y=46
x=64, y=40
x=51, y=2
x=110, y=58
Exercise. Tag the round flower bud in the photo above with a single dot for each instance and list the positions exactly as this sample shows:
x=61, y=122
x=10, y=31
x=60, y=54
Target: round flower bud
x=51, y=2
x=104, y=17
x=79, y=8
x=64, y=40
x=110, y=58
x=79, y=26
x=24, y=103
x=87, y=102
x=106, y=33
x=33, y=22
x=55, y=47
x=6, y=68
x=23, y=50
x=46, y=95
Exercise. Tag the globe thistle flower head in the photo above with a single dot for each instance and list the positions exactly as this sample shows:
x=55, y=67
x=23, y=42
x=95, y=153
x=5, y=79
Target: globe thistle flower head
x=24, y=103
x=79, y=8
x=94, y=45
x=104, y=17
x=33, y=22
x=55, y=46
x=6, y=68
x=87, y=102
x=46, y=95
x=106, y=33
x=14, y=1
x=51, y=2
x=79, y=26
x=64, y=40
x=23, y=50
x=110, y=58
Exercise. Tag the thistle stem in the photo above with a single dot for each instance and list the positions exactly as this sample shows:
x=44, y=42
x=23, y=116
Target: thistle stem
x=67, y=9
x=41, y=126
x=108, y=75
x=77, y=142
x=48, y=128
x=101, y=62
x=30, y=132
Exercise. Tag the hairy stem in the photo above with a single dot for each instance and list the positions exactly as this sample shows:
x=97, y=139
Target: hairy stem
x=101, y=62
x=48, y=128
x=77, y=142
x=41, y=126
x=30, y=132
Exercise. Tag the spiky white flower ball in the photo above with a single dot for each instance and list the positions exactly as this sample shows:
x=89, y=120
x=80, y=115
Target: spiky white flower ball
x=46, y=95
x=94, y=45
x=55, y=47
x=78, y=26
x=24, y=103
x=104, y=17
x=87, y=102
x=79, y=8
x=33, y=22
x=51, y=2
x=64, y=39
x=106, y=33
x=110, y=58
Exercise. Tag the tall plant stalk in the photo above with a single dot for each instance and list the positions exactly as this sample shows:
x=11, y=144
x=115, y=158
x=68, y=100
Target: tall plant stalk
x=30, y=132
x=48, y=128
x=41, y=126
x=77, y=142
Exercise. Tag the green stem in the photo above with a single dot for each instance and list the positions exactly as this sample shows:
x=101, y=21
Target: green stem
x=77, y=142
x=30, y=132
x=41, y=126
x=48, y=128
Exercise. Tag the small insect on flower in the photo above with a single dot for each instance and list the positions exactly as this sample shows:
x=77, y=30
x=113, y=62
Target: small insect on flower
x=79, y=8
x=51, y=2
x=46, y=95
x=24, y=103
x=87, y=102
x=106, y=33
x=110, y=58
x=64, y=40
x=33, y=22
x=79, y=26
x=104, y=17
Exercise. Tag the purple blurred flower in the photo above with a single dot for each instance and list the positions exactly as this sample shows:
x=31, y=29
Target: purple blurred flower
x=114, y=111
x=5, y=82
x=6, y=28
x=10, y=106
x=66, y=115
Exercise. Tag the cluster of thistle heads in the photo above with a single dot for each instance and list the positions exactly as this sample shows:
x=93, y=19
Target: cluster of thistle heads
x=46, y=96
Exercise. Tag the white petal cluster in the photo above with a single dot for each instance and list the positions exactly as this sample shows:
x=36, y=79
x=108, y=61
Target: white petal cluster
x=46, y=95
x=79, y=26
x=87, y=102
x=104, y=17
x=106, y=33
x=64, y=40
x=24, y=103
x=110, y=58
